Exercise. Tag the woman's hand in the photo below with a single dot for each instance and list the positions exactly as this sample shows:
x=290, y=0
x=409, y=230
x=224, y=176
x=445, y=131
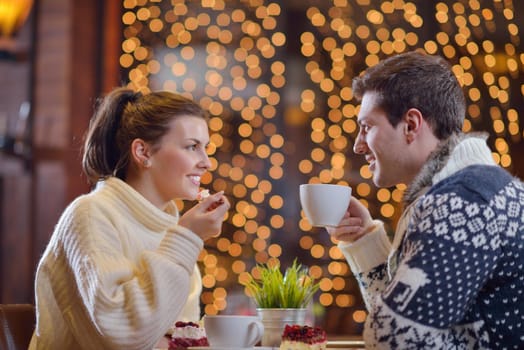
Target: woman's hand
x=205, y=219
x=355, y=223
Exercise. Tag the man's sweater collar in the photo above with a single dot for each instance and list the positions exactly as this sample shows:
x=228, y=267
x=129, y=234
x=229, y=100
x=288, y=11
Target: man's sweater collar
x=451, y=155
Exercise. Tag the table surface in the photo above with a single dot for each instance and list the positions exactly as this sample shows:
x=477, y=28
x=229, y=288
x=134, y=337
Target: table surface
x=345, y=343
x=334, y=342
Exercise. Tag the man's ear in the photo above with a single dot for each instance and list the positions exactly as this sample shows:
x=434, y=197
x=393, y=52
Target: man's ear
x=413, y=121
x=140, y=152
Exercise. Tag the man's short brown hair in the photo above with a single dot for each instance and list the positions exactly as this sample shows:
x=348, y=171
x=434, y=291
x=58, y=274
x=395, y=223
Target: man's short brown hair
x=416, y=80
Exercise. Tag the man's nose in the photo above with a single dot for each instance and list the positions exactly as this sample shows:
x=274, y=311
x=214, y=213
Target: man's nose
x=360, y=146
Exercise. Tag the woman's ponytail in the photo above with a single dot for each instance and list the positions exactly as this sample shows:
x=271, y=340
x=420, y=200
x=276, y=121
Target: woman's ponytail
x=103, y=153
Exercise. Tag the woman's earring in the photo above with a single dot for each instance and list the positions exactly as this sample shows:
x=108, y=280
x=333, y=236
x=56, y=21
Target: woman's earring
x=146, y=163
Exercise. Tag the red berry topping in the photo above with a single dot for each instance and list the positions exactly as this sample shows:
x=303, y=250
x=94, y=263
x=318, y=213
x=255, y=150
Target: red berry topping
x=304, y=334
x=181, y=324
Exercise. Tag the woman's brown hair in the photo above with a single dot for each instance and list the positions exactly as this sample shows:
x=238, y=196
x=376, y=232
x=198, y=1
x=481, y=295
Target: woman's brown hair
x=124, y=115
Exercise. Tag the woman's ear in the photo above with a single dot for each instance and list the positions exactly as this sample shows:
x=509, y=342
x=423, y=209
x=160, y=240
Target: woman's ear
x=140, y=153
x=413, y=120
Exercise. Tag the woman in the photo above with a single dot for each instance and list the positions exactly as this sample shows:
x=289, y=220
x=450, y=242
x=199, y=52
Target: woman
x=120, y=267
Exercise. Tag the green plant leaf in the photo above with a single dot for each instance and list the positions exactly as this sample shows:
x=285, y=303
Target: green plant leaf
x=293, y=289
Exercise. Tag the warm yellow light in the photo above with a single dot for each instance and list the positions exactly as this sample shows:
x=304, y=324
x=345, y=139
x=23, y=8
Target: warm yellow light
x=277, y=221
x=325, y=284
x=505, y=160
x=13, y=14
x=242, y=84
x=344, y=300
x=365, y=172
x=387, y=210
x=359, y=316
x=275, y=250
x=306, y=242
x=325, y=299
x=383, y=195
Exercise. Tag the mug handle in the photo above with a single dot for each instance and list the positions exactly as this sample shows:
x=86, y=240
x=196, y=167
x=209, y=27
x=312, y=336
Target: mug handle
x=256, y=331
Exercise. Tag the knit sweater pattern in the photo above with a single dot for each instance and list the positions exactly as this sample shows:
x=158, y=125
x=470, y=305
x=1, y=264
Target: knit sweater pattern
x=453, y=278
x=116, y=273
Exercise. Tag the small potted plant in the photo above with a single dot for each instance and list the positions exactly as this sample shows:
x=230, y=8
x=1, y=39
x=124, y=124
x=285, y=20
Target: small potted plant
x=281, y=298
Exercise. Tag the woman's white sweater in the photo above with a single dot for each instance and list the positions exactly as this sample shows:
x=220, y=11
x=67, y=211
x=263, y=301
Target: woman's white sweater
x=116, y=274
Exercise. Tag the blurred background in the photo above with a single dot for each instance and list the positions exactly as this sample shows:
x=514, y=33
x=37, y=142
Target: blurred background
x=276, y=79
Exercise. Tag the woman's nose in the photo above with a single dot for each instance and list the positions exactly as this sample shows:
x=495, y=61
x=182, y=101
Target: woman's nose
x=205, y=162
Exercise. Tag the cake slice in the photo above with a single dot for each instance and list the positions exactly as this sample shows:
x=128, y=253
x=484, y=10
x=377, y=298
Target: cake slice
x=186, y=334
x=296, y=337
x=202, y=195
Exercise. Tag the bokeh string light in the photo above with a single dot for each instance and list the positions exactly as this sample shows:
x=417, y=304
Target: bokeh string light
x=480, y=39
x=235, y=58
x=226, y=57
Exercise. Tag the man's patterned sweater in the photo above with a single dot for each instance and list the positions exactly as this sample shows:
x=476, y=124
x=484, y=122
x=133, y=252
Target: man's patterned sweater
x=453, y=278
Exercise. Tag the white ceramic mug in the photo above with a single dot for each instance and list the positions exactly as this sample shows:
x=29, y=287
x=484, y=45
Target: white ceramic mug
x=233, y=331
x=324, y=204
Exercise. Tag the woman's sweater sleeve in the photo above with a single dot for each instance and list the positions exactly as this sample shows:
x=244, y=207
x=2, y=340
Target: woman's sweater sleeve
x=111, y=302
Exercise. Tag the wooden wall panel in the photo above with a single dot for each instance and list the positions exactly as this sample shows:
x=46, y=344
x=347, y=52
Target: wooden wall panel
x=15, y=177
x=69, y=43
x=52, y=75
x=15, y=238
x=49, y=201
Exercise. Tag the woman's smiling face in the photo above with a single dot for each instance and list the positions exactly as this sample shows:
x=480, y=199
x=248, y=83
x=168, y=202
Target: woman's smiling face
x=180, y=159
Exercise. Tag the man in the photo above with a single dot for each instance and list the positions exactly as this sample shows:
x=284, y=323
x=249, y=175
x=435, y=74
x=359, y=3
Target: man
x=453, y=277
